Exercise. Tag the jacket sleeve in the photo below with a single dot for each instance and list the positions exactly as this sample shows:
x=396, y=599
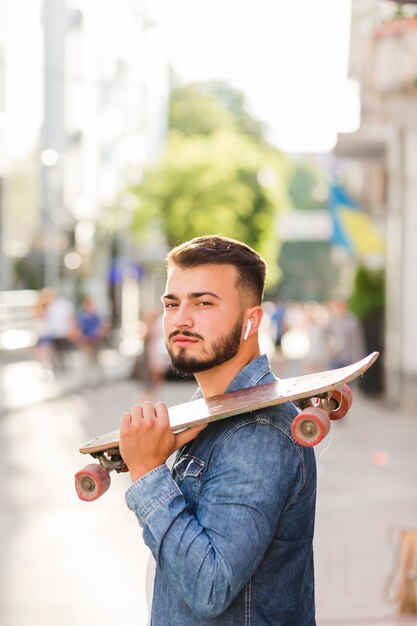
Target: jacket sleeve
x=209, y=557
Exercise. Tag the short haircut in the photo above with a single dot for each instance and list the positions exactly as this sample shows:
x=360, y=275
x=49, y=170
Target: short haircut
x=217, y=250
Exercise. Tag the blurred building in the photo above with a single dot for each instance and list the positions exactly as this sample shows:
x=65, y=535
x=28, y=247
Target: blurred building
x=83, y=99
x=379, y=164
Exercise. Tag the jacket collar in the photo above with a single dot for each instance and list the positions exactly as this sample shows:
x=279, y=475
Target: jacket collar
x=249, y=376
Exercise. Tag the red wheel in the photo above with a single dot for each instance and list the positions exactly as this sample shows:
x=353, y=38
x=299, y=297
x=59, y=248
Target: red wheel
x=343, y=396
x=91, y=482
x=310, y=426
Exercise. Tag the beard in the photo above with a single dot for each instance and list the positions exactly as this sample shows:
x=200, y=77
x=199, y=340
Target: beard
x=221, y=351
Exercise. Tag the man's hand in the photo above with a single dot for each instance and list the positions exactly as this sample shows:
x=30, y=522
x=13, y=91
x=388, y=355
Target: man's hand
x=146, y=438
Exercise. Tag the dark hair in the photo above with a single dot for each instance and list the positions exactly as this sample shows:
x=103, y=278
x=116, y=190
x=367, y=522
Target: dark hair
x=217, y=250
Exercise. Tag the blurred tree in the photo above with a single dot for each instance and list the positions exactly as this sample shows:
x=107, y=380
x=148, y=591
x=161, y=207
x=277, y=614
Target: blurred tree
x=204, y=108
x=193, y=110
x=217, y=175
x=368, y=295
x=367, y=302
x=309, y=187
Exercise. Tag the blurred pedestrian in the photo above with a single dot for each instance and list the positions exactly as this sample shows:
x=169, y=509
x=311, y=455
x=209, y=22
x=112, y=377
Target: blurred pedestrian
x=43, y=350
x=91, y=330
x=155, y=356
x=55, y=323
x=295, y=341
x=278, y=321
x=344, y=335
x=60, y=319
x=317, y=320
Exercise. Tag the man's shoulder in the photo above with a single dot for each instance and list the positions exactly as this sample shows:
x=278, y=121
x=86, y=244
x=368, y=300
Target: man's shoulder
x=272, y=422
x=278, y=416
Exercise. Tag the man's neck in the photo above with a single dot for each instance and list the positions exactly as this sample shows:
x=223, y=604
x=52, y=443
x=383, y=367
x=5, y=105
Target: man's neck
x=216, y=380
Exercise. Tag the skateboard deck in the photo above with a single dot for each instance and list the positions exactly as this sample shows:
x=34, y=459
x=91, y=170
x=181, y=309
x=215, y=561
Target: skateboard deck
x=322, y=396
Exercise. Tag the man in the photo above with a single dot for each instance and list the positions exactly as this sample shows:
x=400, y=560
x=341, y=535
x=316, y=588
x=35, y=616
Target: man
x=231, y=527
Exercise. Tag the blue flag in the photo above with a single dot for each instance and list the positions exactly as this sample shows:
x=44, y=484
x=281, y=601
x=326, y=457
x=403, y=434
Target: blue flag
x=353, y=228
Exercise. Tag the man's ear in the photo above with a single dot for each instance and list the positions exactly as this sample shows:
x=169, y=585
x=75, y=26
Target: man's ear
x=253, y=317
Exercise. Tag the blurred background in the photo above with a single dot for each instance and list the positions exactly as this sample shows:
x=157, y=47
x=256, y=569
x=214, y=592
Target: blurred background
x=128, y=127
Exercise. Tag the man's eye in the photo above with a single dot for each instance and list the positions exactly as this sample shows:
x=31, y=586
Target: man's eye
x=204, y=303
x=170, y=305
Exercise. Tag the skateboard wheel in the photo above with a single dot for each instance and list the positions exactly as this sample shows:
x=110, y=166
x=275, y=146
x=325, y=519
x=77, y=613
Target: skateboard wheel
x=343, y=396
x=91, y=482
x=310, y=426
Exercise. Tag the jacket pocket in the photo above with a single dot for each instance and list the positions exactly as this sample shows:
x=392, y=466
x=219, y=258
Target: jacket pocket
x=188, y=465
x=187, y=473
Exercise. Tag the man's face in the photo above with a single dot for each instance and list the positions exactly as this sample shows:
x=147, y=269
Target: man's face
x=203, y=317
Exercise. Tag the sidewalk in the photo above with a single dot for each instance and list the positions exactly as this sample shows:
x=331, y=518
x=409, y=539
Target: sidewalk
x=367, y=494
x=23, y=381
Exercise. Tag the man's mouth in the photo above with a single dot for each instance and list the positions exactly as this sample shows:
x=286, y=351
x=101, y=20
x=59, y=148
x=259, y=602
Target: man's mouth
x=184, y=338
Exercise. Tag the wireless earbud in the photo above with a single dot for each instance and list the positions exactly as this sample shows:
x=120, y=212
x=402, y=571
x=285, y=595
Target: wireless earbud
x=247, y=331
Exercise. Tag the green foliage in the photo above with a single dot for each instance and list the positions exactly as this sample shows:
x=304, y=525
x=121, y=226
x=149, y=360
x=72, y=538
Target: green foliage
x=308, y=188
x=368, y=296
x=27, y=272
x=206, y=108
x=234, y=101
x=194, y=111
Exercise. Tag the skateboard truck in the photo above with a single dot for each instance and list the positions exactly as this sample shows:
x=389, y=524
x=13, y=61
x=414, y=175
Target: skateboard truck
x=94, y=480
x=312, y=424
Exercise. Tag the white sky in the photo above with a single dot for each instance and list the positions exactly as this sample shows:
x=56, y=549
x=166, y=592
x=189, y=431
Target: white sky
x=290, y=57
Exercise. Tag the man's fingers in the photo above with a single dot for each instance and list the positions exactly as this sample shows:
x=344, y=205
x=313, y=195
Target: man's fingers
x=137, y=412
x=161, y=412
x=125, y=420
x=147, y=410
x=146, y=415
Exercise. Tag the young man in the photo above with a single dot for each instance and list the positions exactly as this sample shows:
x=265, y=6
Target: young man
x=231, y=527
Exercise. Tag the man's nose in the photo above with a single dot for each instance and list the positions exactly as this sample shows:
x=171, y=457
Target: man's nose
x=183, y=316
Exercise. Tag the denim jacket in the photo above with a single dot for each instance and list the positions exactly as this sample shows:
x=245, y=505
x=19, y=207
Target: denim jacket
x=231, y=528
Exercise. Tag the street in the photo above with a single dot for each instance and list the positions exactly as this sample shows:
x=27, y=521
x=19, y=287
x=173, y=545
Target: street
x=73, y=563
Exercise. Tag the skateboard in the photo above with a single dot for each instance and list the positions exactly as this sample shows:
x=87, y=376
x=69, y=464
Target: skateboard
x=320, y=398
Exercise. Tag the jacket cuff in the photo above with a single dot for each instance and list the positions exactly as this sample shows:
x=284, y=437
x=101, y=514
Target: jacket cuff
x=150, y=491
